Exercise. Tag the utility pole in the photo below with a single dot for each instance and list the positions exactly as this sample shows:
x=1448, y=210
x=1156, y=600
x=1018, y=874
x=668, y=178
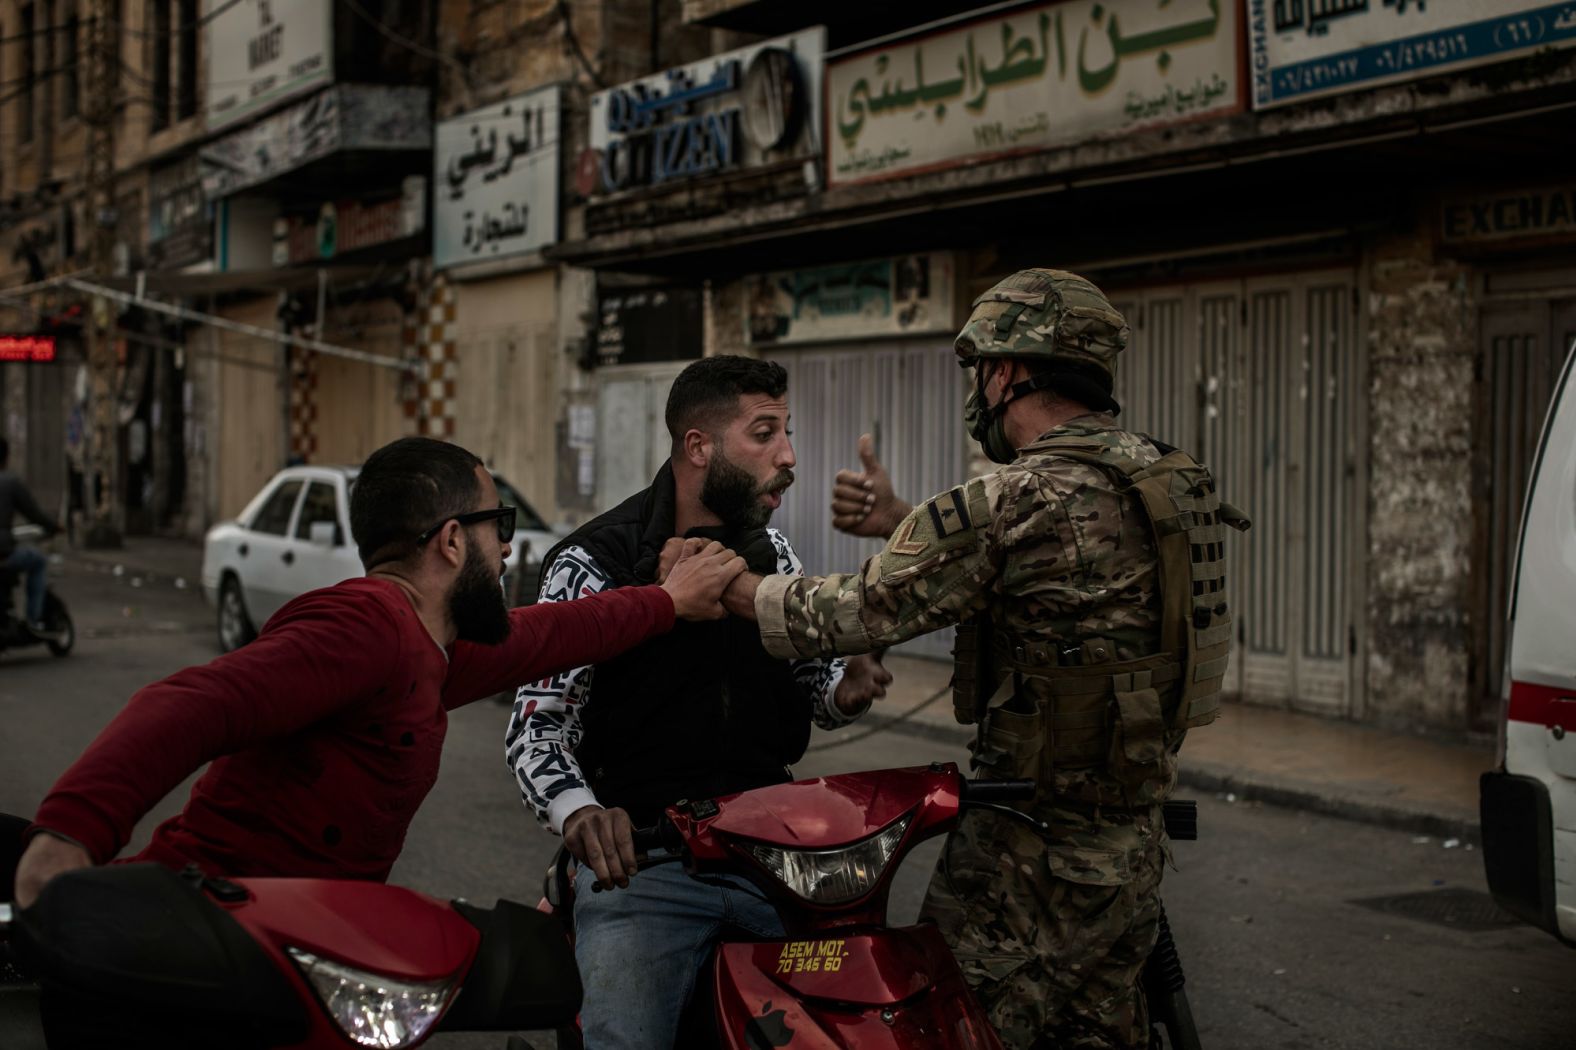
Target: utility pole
x=105, y=514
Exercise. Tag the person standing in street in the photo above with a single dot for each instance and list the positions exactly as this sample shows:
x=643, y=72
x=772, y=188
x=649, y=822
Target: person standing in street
x=1086, y=575
x=701, y=712
x=325, y=732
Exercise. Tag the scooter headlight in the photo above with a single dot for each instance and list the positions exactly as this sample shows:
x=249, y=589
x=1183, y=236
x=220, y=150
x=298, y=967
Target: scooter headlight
x=373, y=1009
x=833, y=876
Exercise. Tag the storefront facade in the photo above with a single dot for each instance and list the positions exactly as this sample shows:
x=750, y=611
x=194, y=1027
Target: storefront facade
x=1338, y=298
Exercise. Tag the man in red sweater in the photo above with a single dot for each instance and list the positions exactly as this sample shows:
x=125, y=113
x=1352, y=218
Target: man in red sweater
x=325, y=732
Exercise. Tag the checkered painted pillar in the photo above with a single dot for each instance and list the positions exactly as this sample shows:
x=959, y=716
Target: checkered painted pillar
x=303, y=403
x=433, y=336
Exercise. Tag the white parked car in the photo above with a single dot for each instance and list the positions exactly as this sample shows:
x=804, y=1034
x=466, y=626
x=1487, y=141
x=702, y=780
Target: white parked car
x=295, y=537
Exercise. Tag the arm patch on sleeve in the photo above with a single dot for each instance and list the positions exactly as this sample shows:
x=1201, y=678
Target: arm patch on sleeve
x=941, y=524
x=949, y=513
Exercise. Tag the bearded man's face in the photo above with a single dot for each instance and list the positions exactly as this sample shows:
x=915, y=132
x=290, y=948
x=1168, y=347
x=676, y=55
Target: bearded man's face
x=734, y=495
x=476, y=601
x=751, y=463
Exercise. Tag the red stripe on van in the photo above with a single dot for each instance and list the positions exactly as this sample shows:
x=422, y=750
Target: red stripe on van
x=1543, y=705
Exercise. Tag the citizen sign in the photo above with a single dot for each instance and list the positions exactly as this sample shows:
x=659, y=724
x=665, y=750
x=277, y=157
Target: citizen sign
x=658, y=136
x=728, y=113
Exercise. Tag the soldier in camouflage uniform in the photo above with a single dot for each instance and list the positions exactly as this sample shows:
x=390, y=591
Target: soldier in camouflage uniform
x=1085, y=575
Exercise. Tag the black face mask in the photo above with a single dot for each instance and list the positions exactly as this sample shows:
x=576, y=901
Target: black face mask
x=986, y=423
x=476, y=603
x=730, y=492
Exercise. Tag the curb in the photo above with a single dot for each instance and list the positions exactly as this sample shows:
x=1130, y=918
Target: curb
x=1364, y=811
x=1218, y=781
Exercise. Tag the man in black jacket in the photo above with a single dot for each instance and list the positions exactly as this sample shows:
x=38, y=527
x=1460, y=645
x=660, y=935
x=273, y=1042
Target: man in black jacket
x=701, y=713
x=16, y=499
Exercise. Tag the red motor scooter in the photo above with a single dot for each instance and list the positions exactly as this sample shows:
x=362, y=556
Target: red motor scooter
x=824, y=851
x=136, y=955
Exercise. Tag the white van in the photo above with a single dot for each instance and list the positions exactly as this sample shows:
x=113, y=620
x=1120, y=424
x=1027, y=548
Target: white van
x=1528, y=804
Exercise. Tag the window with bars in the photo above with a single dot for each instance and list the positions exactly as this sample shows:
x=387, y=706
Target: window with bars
x=186, y=87
x=71, y=62
x=162, y=100
x=49, y=68
x=28, y=26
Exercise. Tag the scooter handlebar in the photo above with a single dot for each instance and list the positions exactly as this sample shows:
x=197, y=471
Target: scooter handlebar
x=661, y=835
x=986, y=791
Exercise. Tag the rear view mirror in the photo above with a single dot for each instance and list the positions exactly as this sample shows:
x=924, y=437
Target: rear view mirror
x=323, y=534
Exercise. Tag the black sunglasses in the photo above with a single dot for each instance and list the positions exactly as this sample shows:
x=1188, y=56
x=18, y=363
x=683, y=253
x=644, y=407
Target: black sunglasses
x=504, y=516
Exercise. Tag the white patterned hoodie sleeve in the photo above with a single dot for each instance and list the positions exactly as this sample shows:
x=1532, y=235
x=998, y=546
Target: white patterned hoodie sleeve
x=544, y=727
x=818, y=678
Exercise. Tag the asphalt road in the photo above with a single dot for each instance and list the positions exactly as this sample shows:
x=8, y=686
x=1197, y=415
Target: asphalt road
x=1296, y=931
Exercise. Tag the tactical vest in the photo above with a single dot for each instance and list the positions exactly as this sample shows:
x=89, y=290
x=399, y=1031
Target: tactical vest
x=1093, y=710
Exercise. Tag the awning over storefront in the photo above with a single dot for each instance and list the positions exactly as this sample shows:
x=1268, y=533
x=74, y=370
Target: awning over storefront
x=1154, y=184
x=330, y=129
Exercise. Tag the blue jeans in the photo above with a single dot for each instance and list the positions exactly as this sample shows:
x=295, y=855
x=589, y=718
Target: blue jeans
x=30, y=562
x=641, y=949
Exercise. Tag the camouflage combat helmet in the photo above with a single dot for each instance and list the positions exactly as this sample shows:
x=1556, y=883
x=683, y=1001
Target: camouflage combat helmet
x=1053, y=316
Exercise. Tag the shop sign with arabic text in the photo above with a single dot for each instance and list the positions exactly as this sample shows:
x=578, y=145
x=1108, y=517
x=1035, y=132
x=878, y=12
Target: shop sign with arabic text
x=180, y=218
x=741, y=109
x=340, y=227
x=27, y=349
x=902, y=296
x=1030, y=80
x=1302, y=49
x=644, y=325
x=496, y=180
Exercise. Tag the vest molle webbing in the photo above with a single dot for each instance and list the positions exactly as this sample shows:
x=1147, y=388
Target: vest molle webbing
x=1100, y=709
x=1189, y=525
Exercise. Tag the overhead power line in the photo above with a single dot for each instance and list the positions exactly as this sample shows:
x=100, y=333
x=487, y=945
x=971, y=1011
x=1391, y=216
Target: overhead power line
x=268, y=334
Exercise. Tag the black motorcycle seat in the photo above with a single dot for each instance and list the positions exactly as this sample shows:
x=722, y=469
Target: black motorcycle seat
x=136, y=955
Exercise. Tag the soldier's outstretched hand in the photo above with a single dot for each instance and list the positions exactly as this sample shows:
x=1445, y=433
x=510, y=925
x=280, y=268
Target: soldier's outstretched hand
x=863, y=503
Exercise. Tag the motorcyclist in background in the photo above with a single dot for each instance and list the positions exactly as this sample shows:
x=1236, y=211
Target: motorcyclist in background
x=16, y=499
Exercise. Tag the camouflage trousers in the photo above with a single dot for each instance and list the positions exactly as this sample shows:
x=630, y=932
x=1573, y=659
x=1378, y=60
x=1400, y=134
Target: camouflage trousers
x=1052, y=938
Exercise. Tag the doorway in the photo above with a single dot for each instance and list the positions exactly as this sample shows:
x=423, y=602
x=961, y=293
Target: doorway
x=1261, y=380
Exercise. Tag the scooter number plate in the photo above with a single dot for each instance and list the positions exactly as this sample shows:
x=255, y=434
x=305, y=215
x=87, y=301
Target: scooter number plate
x=812, y=956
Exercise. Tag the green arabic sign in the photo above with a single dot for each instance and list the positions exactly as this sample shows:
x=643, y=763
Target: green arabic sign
x=878, y=297
x=1056, y=74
